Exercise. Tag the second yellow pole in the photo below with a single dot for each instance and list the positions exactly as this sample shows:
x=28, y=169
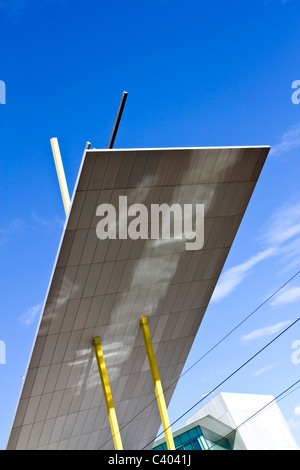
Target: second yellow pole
x=157, y=384
x=107, y=395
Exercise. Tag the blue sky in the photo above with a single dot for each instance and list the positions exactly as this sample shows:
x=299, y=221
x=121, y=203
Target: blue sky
x=197, y=74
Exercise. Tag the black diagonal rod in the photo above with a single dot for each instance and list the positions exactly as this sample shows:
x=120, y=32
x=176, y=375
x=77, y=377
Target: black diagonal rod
x=118, y=119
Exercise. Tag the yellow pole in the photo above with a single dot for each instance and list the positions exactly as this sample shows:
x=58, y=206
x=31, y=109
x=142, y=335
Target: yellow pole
x=157, y=384
x=107, y=395
x=60, y=174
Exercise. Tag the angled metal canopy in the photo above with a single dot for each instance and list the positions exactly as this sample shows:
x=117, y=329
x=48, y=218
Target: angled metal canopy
x=103, y=288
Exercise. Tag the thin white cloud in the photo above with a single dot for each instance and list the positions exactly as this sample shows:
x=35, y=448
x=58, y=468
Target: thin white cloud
x=289, y=141
x=263, y=370
x=265, y=331
x=280, y=238
x=290, y=255
x=30, y=315
x=234, y=276
x=283, y=231
x=17, y=226
x=47, y=221
x=15, y=6
x=283, y=225
x=289, y=296
x=14, y=9
x=14, y=227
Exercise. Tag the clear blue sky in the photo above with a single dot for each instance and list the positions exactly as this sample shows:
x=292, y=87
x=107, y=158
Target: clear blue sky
x=197, y=73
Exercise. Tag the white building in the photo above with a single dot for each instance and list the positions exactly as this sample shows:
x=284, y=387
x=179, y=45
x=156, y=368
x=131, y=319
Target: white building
x=266, y=430
x=234, y=421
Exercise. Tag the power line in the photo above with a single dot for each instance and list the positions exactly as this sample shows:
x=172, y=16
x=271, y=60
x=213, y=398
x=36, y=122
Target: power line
x=210, y=350
x=228, y=377
x=231, y=331
x=259, y=411
x=238, y=325
x=289, y=393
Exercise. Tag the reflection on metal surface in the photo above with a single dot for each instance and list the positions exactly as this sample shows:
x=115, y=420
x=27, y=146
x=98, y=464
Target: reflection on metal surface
x=102, y=287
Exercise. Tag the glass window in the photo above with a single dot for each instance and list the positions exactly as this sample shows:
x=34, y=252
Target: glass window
x=184, y=437
x=194, y=433
x=196, y=444
x=188, y=446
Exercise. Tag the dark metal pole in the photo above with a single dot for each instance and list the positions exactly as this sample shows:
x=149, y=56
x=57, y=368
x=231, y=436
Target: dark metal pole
x=117, y=121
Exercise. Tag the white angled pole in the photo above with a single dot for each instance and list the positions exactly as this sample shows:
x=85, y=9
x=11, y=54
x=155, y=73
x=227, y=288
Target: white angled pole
x=60, y=174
